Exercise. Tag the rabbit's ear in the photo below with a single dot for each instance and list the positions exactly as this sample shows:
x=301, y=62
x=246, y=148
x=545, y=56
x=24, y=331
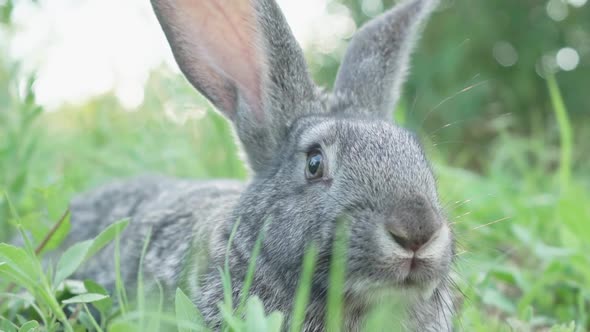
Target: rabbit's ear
x=375, y=64
x=242, y=56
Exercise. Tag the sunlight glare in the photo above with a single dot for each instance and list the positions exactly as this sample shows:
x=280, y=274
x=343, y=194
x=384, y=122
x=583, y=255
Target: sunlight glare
x=81, y=49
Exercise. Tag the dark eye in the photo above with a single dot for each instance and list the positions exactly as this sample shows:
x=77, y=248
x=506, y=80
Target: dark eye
x=314, y=168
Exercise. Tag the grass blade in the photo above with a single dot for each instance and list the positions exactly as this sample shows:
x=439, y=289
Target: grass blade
x=304, y=289
x=251, y=268
x=140, y=283
x=565, y=133
x=186, y=312
x=119, y=284
x=335, y=302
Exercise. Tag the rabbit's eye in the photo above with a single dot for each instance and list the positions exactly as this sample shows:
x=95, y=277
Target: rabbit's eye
x=315, y=165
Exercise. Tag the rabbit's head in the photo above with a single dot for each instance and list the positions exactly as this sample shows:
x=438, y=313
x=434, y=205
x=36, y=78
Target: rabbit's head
x=317, y=156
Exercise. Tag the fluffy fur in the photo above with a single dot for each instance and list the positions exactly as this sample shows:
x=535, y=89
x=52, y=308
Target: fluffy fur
x=376, y=174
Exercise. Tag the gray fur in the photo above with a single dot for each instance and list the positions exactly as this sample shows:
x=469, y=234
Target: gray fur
x=376, y=176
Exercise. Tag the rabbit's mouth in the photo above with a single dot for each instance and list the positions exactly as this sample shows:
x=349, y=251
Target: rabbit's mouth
x=425, y=264
x=390, y=266
x=421, y=268
x=418, y=273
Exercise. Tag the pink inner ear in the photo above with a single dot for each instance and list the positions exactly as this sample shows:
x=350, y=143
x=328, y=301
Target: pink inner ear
x=227, y=37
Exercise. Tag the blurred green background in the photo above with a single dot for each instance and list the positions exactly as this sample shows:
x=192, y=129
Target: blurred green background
x=512, y=162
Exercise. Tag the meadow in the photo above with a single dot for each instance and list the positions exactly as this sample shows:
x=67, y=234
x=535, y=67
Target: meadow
x=515, y=183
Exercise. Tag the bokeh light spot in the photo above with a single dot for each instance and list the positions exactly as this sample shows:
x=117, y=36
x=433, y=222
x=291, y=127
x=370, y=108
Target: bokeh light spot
x=567, y=58
x=505, y=54
x=557, y=10
x=372, y=8
x=577, y=3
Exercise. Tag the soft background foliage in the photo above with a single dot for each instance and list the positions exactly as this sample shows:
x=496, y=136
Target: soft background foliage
x=512, y=160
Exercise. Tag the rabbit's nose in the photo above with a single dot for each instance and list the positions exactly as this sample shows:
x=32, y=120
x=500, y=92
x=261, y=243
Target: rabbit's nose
x=413, y=244
x=414, y=224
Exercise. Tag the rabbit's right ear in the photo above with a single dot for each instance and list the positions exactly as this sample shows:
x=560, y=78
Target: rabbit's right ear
x=241, y=55
x=374, y=66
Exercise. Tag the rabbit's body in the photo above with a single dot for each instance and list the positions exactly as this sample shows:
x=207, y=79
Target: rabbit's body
x=178, y=213
x=191, y=221
x=316, y=158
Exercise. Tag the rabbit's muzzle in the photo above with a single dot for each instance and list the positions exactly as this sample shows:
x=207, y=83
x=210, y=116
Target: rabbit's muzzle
x=419, y=241
x=417, y=264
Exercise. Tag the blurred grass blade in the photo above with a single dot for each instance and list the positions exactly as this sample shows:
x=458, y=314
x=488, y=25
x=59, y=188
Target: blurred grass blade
x=565, y=133
x=274, y=322
x=30, y=326
x=70, y=261
x=335, y=301
x=186, y=312
x=140, y=282
x=93, y=321
x=304, y=289
x=18, y=264
x=104, y=305
x=85, y=298
x=107, y=236
x=226, y=274
x=119, y=282
x=248, y=279
x=255, y=319
x=72, y=258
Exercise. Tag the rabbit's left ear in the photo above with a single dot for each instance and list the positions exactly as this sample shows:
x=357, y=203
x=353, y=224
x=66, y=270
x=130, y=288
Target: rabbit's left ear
x=374, y=66
x=241, y=55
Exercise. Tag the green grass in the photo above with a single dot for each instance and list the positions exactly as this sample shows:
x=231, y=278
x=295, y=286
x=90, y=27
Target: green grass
x=522, y=222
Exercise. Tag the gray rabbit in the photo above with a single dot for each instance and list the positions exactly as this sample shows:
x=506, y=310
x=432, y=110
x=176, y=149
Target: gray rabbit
x=315, y=157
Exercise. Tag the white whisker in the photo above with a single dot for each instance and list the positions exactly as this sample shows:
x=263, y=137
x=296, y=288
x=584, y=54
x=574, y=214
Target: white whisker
x=492, y=222
x=470, y=87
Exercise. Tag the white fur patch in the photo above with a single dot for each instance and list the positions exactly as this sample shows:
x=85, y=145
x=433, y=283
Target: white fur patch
x=437, y=246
